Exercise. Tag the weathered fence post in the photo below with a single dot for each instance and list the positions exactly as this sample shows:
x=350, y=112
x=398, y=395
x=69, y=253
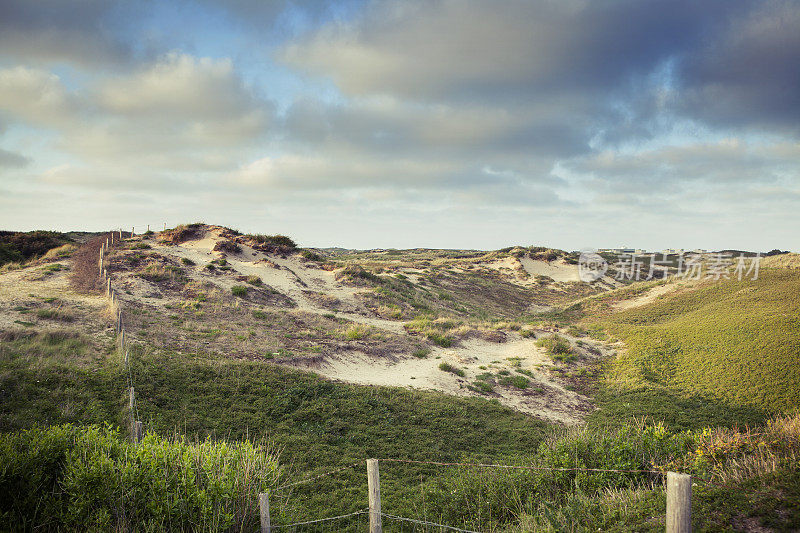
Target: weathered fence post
x=263, y=509
x=374, y=486
x=132, y=399
x=137, y=431
x=679, y=503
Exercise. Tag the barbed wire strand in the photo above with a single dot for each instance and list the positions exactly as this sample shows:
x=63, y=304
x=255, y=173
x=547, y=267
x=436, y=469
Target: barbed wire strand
x=319, y=520
x=312, y=478
x=426, y=523
x=521, y=467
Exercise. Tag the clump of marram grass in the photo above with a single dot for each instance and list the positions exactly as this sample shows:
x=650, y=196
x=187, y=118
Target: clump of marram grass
x=558, y=347
x=447, y=367
x=254, y=280
x=55, y=313
x=356, y=332
x=239, y=290
x=61, y=252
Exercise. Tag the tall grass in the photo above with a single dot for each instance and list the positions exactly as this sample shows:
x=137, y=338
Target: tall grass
x=90, y=478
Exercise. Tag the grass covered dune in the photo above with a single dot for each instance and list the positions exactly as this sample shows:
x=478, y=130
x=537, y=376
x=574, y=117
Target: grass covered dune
x=727, y=351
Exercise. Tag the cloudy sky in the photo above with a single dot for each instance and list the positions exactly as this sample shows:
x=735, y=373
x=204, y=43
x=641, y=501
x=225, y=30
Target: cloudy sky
x=442, y=123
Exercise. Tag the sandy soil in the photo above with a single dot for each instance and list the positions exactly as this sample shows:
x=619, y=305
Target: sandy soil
x=291, y=277
x=544, y=398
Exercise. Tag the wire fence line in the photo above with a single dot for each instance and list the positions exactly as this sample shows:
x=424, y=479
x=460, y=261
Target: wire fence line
x=123, y=349
x=524, y=467
x=426, y=523
x=318, y=476
x=321, y=520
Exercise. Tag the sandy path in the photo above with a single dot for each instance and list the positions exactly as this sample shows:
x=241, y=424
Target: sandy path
x=646, y=298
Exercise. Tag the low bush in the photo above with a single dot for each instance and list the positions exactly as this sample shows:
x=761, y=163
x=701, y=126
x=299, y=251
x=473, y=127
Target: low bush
x=555, y=345
x=18, y=246
x=91, y=479
x=518, y=382
x=254, y=280
x=447, y=367
x=311, y=256
x=276, y=240
x=421, y=353
x=239, y=290
x=226, y=246
x=482, y=386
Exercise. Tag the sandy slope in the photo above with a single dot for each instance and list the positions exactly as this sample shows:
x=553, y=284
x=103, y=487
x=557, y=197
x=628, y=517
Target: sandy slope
x=545, y=398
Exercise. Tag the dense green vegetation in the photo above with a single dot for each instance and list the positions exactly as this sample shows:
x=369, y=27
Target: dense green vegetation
x=93, y=479
x=716, y=353
x=18, y=246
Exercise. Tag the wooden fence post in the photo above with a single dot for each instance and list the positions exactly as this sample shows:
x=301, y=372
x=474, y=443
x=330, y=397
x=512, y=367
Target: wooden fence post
x=679, y=503
x=374, y=486
x=131, y=400
x=137, y=431
x=263, y=509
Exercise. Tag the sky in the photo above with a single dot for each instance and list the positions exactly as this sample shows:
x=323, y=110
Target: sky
x=396, y=124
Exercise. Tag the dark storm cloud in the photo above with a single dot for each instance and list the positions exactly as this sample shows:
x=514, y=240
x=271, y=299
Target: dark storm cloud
x=60, y=30
x=476, y=49
x=748, y=72
x=731, y=63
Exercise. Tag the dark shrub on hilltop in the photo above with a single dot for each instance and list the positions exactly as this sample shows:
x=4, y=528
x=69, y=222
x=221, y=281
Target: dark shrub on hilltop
x=17, y=246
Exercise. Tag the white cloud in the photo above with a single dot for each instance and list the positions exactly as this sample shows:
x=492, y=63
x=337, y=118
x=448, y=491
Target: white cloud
x=35, y=96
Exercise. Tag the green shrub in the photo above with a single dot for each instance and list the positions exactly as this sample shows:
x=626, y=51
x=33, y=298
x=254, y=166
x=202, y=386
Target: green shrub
x=447, y=367
x=555, y=344
x=239, y=290
x=254, y=280
x=311, y=256
x=186, y=261
x=518, y=382
x=91, y=479
x=440, y=340
x=483, y=386
x=421, y=352
x=277, y=240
